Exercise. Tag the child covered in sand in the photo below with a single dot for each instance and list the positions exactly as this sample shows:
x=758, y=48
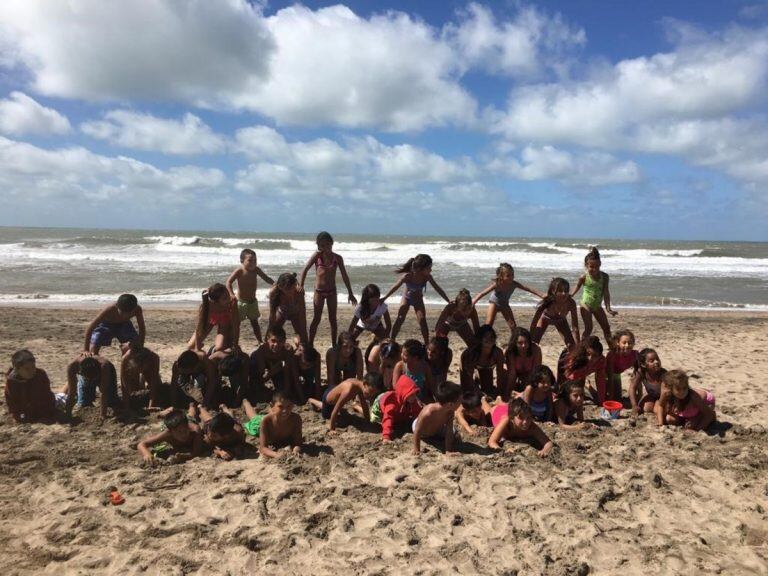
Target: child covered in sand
x=436, y=419
x=335, y=398
x=681, y=405
x=247, y=278
x=181, y=434
x=281, y=427
x=325, y=261
x=28, y=395
x=514, y=421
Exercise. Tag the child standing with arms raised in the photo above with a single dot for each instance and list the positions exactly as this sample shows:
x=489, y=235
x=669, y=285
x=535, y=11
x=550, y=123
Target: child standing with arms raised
x=326, y=261
x=416, y=272
x=595, y=292
x=247, y=277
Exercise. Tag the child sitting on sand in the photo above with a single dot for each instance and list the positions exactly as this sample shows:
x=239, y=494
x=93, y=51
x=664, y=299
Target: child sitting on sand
x=274, y=361
x=286, y=303
x=179, y=433
x=648, y=376
x=569, y=406
x=456, y=316
x=218, y=310
x=344, y=360
x=334, y=399
x=414, y=365
x=474, y=410
x=554, y=309
x=538, y=393
x=247, y=278
x=222, y=433
x=85, y=374
x=596, y=291
x=416, y=272
x=325, y=261
x=28, y=395
x=681, y=405
x=436, y=419
x=371, y=314
x=515, y=421
x=114, y=321
x=396, y=407
x=621, y=356
x=502, y=287
x=280, y=427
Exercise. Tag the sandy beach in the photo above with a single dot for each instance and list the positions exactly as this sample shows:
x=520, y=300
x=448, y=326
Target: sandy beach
x=624, y=498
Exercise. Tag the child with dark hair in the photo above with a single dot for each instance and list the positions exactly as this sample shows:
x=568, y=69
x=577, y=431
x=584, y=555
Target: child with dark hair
x=554, y=309
x=483, y=358
x=114, y=321
x=538, y=393
x=28, y=395
x=371, y=314
x=308, y=368
x=621, y=356
x=217, y=310
x=193, y=375
x=140, y=370
x=334, y=399
x=502, y=288
x=436, y=419
x=280, y=427
x=596, y=292
x=325, y=261
x=585, y=359
x=222, y=433
x=473, y=411
x=413, y=364
x=681, y=405
x=247, y=278
x=232, y=370
x=522, y=356
x=439, y=358
x=85, y=374
x=648, y=376
x=344, y=360
x=274, y=361
x=382, y=358
x=569, y=406
x=456, y=316
x=286, y=303
x=180, y=434
x=514, y=421
x=416, y=273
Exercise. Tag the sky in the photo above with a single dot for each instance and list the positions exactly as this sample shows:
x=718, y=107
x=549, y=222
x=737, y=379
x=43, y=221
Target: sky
x=572, y=118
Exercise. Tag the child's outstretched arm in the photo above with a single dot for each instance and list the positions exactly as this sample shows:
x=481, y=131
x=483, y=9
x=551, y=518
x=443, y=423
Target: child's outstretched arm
x=395, y=287
x=264, y=276
x=265, y=435
x=364, y=406
x=459, y=416
x=573, y=310
x=498, y=433
x=148, y=441
x=417, y=437
x=536, y=315
x=437, y=288
x=353, y=323
x=579, y=284
x=307, y=266
x=450, y=436
x=344, y=276
x=231, y=281
x=345, y=395
x=387, y=324
x=485, y=292
x=607, y=297
x=443, y=315
x=529, y=290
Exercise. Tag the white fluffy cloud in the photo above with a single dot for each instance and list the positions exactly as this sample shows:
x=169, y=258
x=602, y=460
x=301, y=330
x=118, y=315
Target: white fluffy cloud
x=22, y=115
x=139, y=131
x=74, y=173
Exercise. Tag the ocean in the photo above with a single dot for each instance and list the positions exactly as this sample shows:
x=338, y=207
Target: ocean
x=85, y=267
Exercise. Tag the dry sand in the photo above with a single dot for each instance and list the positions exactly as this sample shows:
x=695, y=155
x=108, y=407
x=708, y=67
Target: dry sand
x=620, y=499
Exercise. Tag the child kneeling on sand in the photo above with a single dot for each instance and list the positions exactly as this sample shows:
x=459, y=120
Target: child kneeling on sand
x=334, y=398
x=515, y=421
x=398, y=406
x=681, y=405
x=436, y=419
x=179, y=434
x=28, y=393
x=84, y=375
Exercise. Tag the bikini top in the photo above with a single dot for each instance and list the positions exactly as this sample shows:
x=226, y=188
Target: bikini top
x=220, y=318
x=319, y=263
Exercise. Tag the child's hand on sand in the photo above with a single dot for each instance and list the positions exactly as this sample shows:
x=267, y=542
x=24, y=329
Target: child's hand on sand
x=296, y=450
x=386, y=441
x=544, y=452
x=613, y=312
x=149, y=459
x=223, y=454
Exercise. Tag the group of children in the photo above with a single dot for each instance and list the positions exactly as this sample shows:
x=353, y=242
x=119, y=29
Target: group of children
x=390, y=384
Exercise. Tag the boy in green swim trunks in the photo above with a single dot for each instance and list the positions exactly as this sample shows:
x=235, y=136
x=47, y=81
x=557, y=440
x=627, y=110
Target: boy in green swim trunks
x=247, y=276
x=596, y=292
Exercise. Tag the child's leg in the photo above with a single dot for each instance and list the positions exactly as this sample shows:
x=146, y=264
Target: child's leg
x=421, y=315
x=299, y=323
x=539, y=330
x=192, y=344
x=586, y=317
x=332, y=305
x=509, y=317
x=248, y=408
x=150, y=367
x=318, y=302
x=490, y=315
x=226, y=410
x=129, y=379
x=563, y=327
x=256, y=329
x=316, y=405
x=465, y=331
x=402, y=312
x=379, y=334
x=602, y=319
x=191, y=411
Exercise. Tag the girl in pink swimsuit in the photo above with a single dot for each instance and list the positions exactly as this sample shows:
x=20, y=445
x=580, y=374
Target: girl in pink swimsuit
x=522, y=356
x=681, y=405
x=218, y=309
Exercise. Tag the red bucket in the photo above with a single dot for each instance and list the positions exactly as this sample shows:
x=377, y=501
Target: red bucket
x=613, y=408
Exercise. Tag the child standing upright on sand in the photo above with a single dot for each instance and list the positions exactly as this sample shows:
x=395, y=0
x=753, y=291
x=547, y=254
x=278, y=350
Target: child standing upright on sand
x=595, y=292
x=416, y=272
x=247, y=277
x=325, y=261
x=502, y=287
